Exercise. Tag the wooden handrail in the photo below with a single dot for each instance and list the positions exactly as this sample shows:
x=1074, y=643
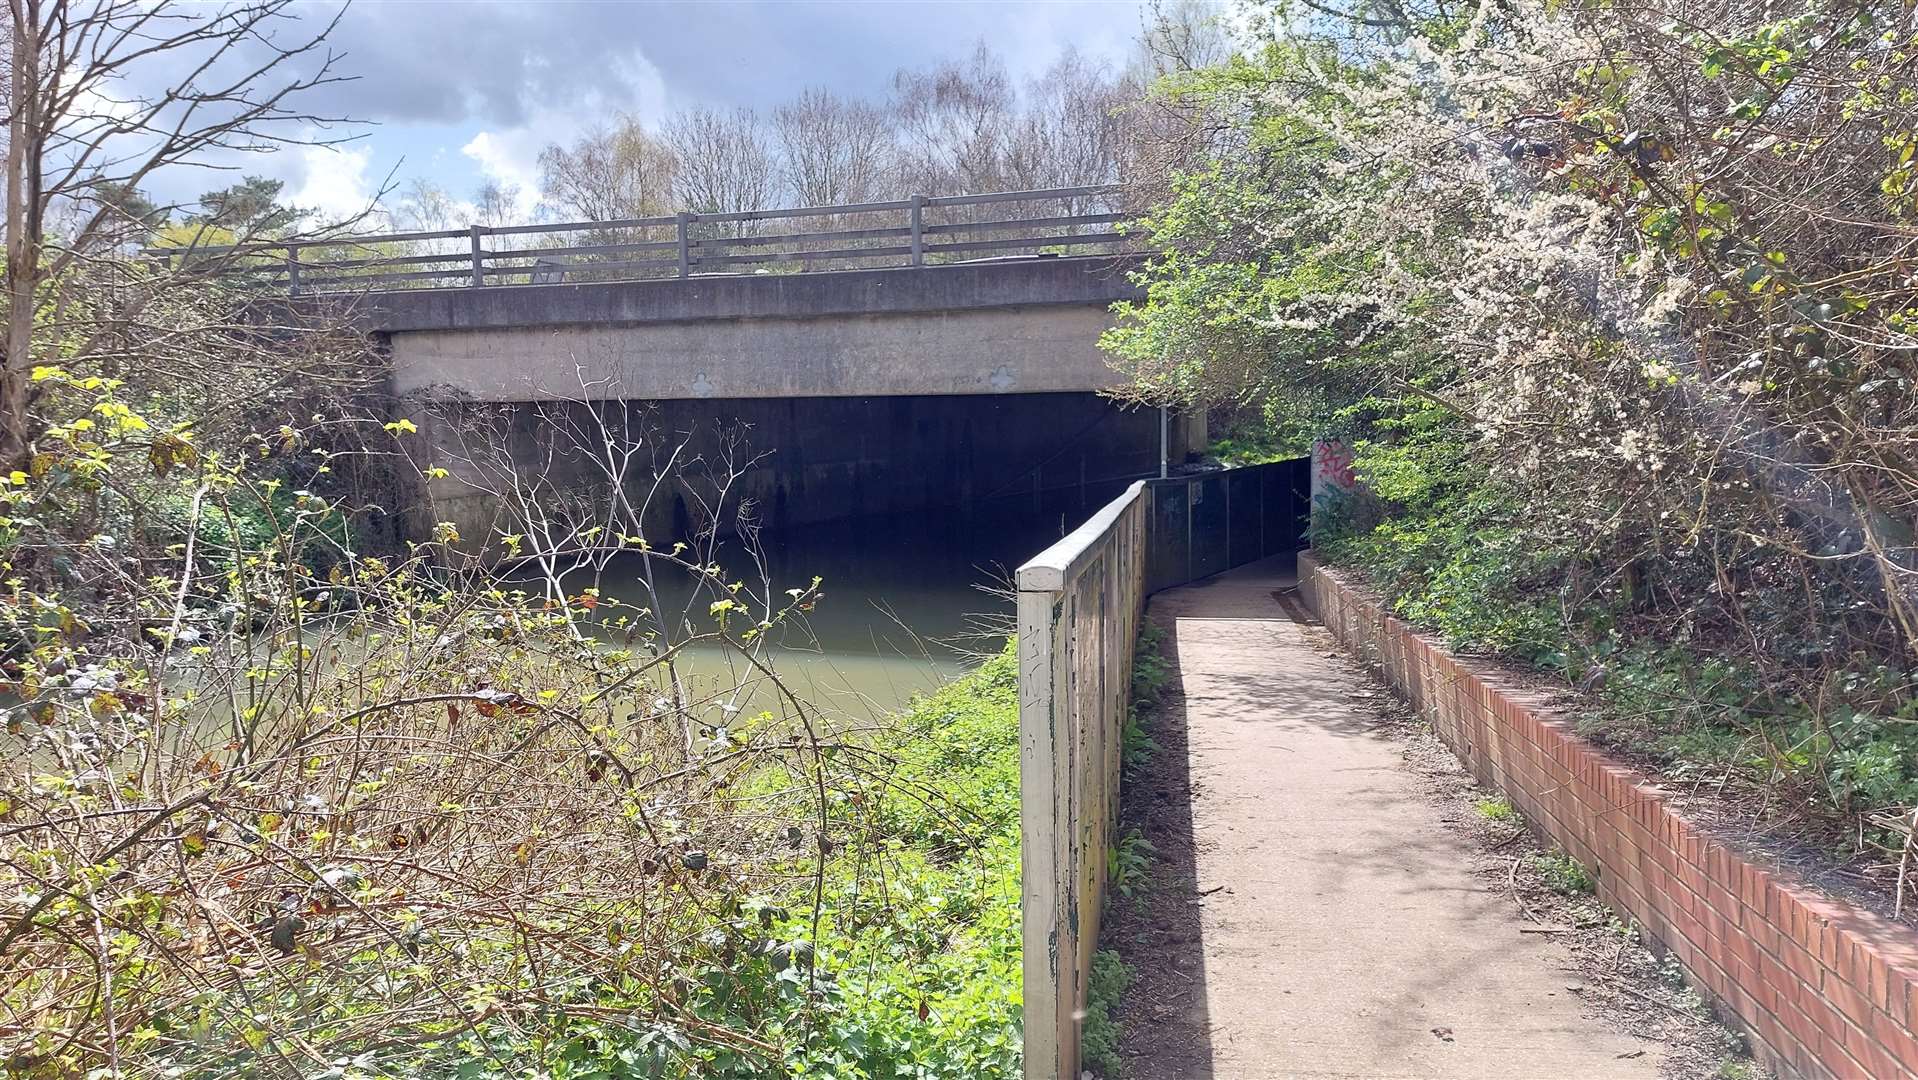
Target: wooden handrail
x=682, y=244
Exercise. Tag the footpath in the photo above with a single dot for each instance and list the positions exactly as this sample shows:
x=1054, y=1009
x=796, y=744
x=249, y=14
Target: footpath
x=1334, y=927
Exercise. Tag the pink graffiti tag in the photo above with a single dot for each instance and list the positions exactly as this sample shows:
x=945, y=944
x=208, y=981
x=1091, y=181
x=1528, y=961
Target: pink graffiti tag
x=1336, y=465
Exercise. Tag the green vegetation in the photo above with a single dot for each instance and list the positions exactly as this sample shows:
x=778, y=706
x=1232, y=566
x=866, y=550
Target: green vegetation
x=1099, y=1048
x=931, y=957
x=1247, y=437
x=912, y=974
x=1151, y=672
x=1128, y=862
x=1497, y=808
x=1563, y=874
x=397, y=809
x=1622, y=418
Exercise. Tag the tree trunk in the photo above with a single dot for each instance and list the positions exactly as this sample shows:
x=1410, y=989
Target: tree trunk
x=23, y=235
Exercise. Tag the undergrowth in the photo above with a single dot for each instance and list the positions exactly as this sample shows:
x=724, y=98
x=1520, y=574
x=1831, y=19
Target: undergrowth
x=915, y=974
x=1817, y=728
x=1497, y=808
x=1129, y=861
x=1151, y=672
x=1563, y=874
x=1111, y=978
x=921, y=973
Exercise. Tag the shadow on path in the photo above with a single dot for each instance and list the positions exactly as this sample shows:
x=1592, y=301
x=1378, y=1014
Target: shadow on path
x=1163, y=1018
x=1308, y=915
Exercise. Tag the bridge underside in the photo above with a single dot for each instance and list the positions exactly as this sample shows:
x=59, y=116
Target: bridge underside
x=791, y=461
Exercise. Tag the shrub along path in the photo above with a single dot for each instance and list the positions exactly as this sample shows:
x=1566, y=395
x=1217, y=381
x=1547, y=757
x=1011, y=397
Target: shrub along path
x=1313, y=918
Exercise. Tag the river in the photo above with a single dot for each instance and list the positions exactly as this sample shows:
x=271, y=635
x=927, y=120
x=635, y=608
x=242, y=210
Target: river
x=908, y=601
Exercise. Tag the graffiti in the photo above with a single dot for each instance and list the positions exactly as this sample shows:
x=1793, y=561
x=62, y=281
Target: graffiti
x=1332, y=461
x=1338, y=495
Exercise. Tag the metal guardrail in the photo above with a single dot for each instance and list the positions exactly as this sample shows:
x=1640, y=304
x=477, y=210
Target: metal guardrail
x=913, y=231
x=1208, y=522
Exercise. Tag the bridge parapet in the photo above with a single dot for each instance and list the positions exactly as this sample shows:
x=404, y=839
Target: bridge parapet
x=913, y=231
x=1005, y=326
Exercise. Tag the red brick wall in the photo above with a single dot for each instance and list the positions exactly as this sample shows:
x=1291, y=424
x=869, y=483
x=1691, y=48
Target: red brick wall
x=1825, y=989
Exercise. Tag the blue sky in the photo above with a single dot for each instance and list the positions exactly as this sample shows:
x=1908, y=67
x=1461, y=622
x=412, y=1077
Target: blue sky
x=465, y=90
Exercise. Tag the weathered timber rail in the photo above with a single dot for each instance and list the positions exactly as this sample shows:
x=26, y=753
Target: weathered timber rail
x=1078, y=616
x=915, y=231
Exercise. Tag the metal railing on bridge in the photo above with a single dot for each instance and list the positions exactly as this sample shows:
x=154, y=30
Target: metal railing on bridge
x=914, y=231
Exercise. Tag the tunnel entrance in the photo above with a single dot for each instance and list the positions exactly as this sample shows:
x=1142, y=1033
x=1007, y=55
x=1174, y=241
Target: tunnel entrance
x=798, y=461
x=909, y=508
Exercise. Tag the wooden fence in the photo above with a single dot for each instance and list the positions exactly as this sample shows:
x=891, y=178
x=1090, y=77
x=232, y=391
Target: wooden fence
x=914, y=231
x=1079, y=606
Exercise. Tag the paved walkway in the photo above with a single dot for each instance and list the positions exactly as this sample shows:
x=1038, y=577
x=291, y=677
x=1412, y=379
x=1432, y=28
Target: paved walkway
x=1347, y=936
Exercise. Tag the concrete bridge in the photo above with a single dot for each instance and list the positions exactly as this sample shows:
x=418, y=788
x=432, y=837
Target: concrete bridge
x=919, y=354
x=862, y=392
x=1018, y=326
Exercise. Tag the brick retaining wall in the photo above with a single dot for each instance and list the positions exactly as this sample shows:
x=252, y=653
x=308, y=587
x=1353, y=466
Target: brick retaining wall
x=1824, y=988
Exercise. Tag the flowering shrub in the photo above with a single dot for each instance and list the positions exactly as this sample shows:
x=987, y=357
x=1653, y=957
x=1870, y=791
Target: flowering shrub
x=1615, y=306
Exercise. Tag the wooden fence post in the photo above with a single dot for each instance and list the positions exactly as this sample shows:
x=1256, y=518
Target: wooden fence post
x=685, y=245
x=479, y=266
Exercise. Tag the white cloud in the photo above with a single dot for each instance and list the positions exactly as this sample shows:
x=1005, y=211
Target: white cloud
x=334, y=181
x=511, y=158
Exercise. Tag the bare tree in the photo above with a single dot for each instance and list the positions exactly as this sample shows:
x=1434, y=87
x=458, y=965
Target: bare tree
x=833, y=150
x=234, y=74
x=426, y=207
x=496, y=204
x=624, y=172
x=726, y=162
x=955, y=124
x=1180, y=35
x=1069, y=133
x=1165, y=131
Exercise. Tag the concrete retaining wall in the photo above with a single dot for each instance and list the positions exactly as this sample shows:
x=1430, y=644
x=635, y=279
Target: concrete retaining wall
x=1824, y=988
x=1079, y=606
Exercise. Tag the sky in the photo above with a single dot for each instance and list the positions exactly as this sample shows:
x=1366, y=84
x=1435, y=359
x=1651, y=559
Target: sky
x=462, y=91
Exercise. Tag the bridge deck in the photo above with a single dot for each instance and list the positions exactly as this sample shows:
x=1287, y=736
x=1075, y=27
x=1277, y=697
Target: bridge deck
x=1338, y=929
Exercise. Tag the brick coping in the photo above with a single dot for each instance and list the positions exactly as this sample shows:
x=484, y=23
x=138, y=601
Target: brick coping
x=1824, y=988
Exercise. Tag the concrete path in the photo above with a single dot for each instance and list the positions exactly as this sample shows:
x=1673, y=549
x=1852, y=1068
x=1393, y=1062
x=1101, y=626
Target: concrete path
x=1348, y=935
